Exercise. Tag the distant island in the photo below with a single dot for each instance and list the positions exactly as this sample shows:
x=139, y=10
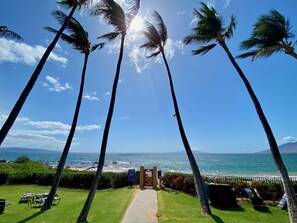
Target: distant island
x=25, y=150
x=287, y=148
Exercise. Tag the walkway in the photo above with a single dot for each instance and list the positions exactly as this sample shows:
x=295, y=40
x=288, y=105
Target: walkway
x=143, y=208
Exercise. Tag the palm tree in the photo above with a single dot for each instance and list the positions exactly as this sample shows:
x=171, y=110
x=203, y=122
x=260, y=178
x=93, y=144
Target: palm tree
x=271, y=34
x=79, y=39
x=156, y=41
x=6, y=33
x=210, y=28
x=73, y=4
x=120, y=20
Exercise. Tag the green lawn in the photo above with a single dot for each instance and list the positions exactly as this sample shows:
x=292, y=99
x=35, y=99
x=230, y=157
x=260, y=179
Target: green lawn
x=184, y=208
x=108, y=205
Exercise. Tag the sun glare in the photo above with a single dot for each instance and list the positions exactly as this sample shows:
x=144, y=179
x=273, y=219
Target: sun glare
x=136, y=24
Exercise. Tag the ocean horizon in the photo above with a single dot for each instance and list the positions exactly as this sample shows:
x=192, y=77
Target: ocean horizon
x=249, y=164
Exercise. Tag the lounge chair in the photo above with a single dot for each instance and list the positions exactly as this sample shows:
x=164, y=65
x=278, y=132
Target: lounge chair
x=27, y=197
x=255, y=199
x=40, y=199
x=3, y=204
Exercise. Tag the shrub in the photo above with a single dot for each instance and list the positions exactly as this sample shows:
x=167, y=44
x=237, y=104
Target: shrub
x=22, y=159
x=268, y=189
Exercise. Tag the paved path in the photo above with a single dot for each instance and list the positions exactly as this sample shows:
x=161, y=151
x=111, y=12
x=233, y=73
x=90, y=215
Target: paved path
x=143, y=208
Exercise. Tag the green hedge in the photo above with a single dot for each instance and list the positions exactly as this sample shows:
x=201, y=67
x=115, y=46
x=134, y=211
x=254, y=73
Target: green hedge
x=268, y=189
x=30, y=172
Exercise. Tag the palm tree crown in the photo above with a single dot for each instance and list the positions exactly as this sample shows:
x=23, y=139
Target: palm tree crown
x=115, y=15
x=156, y=36
x=6, y=33
x=271, y=34
x=78, y=38
x=210, y=28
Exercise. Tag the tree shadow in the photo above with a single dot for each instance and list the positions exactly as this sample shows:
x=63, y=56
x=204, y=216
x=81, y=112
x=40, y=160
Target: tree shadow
x=31, y=217
x=217, y=219
x=263, y=209
x=235, y=209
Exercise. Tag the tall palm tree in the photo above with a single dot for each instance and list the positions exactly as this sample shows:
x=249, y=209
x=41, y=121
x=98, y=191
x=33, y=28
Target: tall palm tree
x=79, y=39
x=114, y=15
x=6, y=33
x=156, y=41
x=210, y=28
x=271, y=34
x=73, y=4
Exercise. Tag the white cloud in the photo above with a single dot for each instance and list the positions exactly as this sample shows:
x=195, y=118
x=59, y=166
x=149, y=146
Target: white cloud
x=121, y=80
x=181, y=13
x=82, y=128
x=91, y=96
x=138, y=59
x=215, y=3
x=125, y=118
x=288, y=139
x=193, y=22
x=53, y=84
x=106, y=94
x=16, y=52
x=41, y=134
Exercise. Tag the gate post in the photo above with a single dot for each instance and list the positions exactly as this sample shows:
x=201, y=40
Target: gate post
x=141, y=177
x=155, y=181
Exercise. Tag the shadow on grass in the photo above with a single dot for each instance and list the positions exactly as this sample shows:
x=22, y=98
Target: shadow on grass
x=263, y=209
x=235, y=209
x=31, y=217
x=217, y=219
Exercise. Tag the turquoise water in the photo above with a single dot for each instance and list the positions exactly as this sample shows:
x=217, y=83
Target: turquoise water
x=209, y=164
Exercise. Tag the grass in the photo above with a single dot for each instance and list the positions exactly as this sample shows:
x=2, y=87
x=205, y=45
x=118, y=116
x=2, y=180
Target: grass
x=108, y=205
x=184, y=208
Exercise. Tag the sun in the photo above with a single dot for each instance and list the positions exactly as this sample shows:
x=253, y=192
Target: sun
x=136, y=24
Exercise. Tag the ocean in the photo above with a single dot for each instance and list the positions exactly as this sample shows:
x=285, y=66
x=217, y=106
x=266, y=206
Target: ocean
x=255, y=164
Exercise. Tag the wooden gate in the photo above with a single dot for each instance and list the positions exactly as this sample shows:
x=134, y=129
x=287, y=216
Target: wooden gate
x=148, y=177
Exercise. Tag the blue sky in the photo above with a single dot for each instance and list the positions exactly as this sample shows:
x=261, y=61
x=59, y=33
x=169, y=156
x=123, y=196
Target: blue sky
x=216, y=110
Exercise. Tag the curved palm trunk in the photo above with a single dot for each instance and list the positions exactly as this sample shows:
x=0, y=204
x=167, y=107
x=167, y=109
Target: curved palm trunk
x=196, y=173
x=48, y=202
x=84, y=212
x=20, y=102
x=288, y=187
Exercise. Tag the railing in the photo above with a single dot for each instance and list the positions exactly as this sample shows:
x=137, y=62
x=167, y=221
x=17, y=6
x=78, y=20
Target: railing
x=267, y=179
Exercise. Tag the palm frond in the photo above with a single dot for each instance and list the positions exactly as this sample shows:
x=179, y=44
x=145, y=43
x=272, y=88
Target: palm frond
x=267, y=52
x=133, y=11
x=95, y=46
x=77, y=37
x=6, y=33
x=152, y=34
x=112, y=12
x=149, y=46
x=161, y=27
x=59, y=16
x=109, y=36
x=68, y=4
x=203, y=49
x=154, y=54
x=195, y=37
x=245, y=55
x=229, y=33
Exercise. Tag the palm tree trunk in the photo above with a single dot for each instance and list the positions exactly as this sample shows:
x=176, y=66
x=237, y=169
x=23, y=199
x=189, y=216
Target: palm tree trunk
x=84, y=212
x=48, y=202
x=288, y=187
x=20, y=102
x=196, y=173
